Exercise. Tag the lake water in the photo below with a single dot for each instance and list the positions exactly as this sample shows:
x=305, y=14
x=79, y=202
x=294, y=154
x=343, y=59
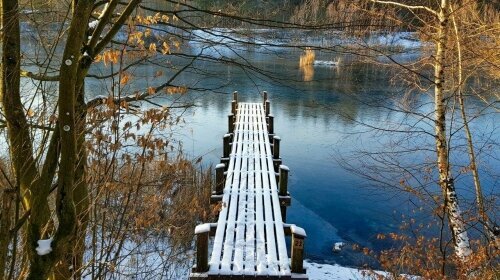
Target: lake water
x=319, y=121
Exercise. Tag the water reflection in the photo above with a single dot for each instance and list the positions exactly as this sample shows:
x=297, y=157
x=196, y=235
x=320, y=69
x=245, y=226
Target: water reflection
x=315, y=119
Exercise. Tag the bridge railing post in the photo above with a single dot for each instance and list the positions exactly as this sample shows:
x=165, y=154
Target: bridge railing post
x=284, y=180
x=276, y=147
x=219, y=178
x=230, y=123
x=298, y=236
x=234, y=103
x=226, y=149
x=270, y=124
x=276, y=152
x=270, y=127
x=265, y=96
x=284, y=197
x=267, y=106
x=202, y=233
x=235, y=96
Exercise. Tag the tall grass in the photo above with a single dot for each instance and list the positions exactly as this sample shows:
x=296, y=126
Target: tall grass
x=307, y=58
x=305, y=63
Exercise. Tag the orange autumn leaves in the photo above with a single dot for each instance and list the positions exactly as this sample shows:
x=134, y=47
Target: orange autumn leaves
x=143, y=43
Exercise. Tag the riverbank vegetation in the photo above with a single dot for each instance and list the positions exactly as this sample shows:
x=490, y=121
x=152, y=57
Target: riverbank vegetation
x=101, y=179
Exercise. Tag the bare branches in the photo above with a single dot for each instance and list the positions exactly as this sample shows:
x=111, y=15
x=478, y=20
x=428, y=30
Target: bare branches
x=116, y=26
x=39, y=77
x=410, y=7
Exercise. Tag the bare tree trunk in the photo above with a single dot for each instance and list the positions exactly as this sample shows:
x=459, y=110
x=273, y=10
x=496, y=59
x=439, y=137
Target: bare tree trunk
x=65, y=205
x=20, y=143
x=71, y=265
x=488, y=230
x=459, y=233
x=8, y=199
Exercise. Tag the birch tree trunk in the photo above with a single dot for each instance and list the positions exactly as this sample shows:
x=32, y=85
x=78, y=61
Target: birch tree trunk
x=488, y=229
x=457, y=226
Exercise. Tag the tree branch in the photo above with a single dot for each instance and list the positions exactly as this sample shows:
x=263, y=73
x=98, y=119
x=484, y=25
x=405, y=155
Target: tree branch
x=410, y=7
x=116, y=26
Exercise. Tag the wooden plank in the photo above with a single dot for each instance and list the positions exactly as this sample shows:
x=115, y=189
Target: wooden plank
x=239, y=245
x=278, y=222
x=272, y=258
x=260, y=242
x=234, y=164
x=250, y=211
x=229, y=241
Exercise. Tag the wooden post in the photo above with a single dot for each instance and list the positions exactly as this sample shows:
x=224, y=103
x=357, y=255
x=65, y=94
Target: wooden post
x=267, y=106
x=276, y=147
x=226, y=149
x=227, y=145
x=202, y=234
x=230, y=123
x=276, y=153
x=298, y=236
x=235, y=96
x=233, y=107
x=284, y=180
x=219, y=178
x=270, y=124
x=265, y=96
x=283, y=190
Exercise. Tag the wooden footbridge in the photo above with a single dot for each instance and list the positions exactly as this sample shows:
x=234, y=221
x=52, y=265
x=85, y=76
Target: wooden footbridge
x=251, y=184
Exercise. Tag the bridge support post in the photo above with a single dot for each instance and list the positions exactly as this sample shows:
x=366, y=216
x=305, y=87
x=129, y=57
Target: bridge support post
x=298, y=236
x=265, y=96
x=270, y=127
x=226, y=150
x=267, y=106
x=235, y=96
x=230, y=123
x=284, y=180
x=202, y=234
x=219, y=178
x=234, y=103
x=276, y=152
x=283, y=191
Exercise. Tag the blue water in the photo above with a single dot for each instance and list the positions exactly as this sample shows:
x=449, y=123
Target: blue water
x=320, y=123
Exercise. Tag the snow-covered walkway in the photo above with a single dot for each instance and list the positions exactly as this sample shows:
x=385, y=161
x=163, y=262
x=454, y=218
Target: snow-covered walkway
x=250, y=232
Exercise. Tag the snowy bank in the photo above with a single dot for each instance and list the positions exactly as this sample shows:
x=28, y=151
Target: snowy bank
x=317, y=271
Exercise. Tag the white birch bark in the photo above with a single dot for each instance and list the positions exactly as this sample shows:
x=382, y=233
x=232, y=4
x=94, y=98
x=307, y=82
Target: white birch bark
x=457, y=226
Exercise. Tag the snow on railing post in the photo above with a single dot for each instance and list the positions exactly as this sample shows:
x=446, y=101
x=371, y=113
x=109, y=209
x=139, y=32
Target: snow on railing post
x=284, y=180
x=202, y=234
x=230, y=123
x=235, y=96
x=276, y=147
x=219, y=178
x=298, y=236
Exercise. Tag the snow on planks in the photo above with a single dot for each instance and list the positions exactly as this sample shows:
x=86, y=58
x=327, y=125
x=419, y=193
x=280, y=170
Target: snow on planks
x=250, y=239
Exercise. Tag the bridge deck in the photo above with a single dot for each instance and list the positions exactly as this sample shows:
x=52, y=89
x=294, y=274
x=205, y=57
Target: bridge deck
x=249, y=237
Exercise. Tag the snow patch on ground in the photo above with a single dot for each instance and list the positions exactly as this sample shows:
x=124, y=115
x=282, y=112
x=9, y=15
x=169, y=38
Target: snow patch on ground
x=317, y=271
x=44, y=246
